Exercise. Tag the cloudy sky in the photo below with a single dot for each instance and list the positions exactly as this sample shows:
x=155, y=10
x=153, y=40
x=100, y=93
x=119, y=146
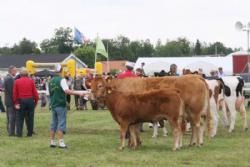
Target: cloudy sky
x=207, y=20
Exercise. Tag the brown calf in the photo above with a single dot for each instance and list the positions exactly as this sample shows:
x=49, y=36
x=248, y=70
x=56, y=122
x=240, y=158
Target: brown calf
x=132, y=108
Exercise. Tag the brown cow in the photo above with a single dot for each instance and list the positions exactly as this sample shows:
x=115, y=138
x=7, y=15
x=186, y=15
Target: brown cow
x=193, y=91
x=130, y=108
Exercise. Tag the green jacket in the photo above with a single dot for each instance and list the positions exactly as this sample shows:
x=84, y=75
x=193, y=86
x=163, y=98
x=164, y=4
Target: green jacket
x=57, y=94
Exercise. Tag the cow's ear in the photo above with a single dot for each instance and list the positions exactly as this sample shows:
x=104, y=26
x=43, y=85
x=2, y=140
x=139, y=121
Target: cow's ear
x=108, y=79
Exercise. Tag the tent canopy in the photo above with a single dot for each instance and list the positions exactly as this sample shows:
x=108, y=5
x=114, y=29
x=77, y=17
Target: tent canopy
x=45, y=73
x=205, y=63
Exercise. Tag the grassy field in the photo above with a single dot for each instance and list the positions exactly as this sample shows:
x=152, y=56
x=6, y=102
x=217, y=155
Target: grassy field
x=93, y=139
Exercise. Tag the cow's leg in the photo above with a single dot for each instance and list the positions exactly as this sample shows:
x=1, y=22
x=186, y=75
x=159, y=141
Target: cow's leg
x=165, y=131
x=233, y=113
x=215, y=123
x=123, y=130
x=133, y=136
x=243, y=114
x=202, y=129
x=197, y=131
x=176, y=134
x=155, y=129
x=137, y=132
x=225, y=121
x=193, y=135
x=214, y=119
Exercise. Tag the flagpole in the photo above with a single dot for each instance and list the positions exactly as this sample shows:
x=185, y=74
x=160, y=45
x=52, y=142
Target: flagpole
x=108, y=67
x=95, y=56
x=95, y=64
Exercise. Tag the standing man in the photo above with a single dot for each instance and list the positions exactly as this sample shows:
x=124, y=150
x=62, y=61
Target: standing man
x=69, y=81
x=173, y=70
x=1, y=90
x=25, y=98
x=58, y=89
x=78, y=86
x=8, y=99
x=128, y=72
x=220, y=72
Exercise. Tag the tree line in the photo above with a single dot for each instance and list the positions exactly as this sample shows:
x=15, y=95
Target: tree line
x=119, y=48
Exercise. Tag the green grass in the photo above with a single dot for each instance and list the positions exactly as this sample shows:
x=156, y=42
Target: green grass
x=93, y=139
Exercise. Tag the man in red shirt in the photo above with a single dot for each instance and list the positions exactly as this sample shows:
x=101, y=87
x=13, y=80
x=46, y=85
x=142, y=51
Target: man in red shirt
x=128, y=72
x=25, y=98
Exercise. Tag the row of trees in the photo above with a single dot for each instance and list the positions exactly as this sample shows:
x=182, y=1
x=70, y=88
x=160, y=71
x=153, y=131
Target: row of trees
x=120, y=48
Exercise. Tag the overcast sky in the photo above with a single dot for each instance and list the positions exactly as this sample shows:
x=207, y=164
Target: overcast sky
x=207, y=20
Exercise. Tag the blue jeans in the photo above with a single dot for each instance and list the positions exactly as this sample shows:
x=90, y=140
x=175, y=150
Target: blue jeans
x=58, y=121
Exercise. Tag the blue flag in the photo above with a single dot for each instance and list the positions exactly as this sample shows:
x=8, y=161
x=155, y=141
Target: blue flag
x=79, y=37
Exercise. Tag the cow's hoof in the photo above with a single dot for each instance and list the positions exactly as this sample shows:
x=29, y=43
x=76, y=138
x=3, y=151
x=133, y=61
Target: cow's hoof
x=192, y=144
x=154, y=136
x=121, y=148
x=165, y=135
x=246, y=128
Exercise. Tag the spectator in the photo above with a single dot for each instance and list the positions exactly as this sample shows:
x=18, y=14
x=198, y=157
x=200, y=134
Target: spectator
x=25, y=98
x=43, y=101
x=69, y=81
x=220, y=72
x=128, y=72
x=139, y=72
x=58, y=88
x=1, y=89
x=173, y=70
x=8, y=99
x=78, y=86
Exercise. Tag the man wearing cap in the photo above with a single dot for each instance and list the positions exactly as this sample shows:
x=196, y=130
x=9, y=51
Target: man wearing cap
x=25, y=98
x=128, y=72
x=58, y=90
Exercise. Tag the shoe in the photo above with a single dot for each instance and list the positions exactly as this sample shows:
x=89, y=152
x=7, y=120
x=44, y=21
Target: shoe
x=52, y=143
x=62, y=144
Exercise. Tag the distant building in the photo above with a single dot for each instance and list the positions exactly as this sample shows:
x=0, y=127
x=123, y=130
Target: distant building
x=113, y=65
x=20, y=60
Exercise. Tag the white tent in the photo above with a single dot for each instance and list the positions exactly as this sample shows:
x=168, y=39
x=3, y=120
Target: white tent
x=150, y=68
x=184, y=63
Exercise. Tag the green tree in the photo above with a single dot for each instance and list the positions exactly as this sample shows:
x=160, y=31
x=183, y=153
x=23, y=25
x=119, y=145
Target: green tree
x=197, y=48
x=86, y=54
x=175, y=48
x=61, y=42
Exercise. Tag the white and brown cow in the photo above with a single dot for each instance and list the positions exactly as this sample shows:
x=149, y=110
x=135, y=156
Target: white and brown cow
x=233, y=101
x=226, y=93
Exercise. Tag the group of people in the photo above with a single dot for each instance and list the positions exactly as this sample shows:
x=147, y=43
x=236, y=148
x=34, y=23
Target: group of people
x=21, y=98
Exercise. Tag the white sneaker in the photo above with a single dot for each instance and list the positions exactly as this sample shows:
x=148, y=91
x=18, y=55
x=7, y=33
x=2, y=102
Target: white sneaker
x=62, y=144
x=52, y=143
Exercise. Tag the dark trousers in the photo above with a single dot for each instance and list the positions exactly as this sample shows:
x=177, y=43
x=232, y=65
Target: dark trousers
x=77, y=101
x=11, y=120
x=27, y=107
x=1, y=105
x=68, y=98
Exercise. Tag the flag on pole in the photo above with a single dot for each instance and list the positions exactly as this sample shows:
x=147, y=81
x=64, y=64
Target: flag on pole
x=100, y=47
x=79, y=37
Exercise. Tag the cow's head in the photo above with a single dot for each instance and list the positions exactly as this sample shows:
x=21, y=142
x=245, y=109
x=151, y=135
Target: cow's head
x=99, y=88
